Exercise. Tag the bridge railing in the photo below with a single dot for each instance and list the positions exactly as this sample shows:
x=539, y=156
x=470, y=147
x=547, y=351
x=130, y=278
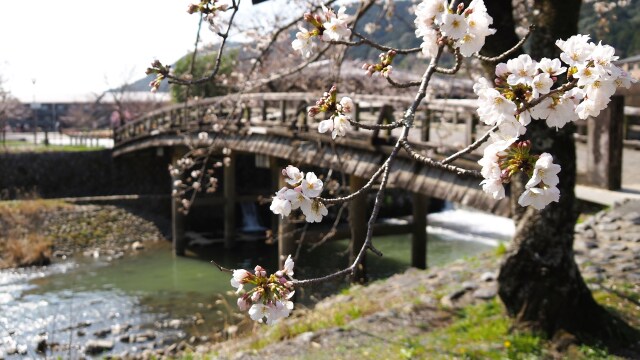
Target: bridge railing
x=288, y=112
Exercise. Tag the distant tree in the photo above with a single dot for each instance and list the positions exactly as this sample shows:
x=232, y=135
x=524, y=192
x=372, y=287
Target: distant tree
x=9, y=107
x=203, y=65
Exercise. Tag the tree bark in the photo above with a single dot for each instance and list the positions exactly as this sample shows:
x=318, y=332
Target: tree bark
x=539, y=282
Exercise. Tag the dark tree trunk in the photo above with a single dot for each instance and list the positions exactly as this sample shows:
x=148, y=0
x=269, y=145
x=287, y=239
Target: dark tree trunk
x=539, y=282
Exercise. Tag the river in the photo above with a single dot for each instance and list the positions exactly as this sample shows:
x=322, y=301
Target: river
x=153, y=299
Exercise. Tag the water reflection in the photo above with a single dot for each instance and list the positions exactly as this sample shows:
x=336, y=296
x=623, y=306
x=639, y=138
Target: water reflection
x=174, y=298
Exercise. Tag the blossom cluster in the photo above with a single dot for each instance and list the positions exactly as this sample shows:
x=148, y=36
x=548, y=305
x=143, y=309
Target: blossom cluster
x=383, y=67
x=339, y=121
x=303, y=195
x=270, y=298
x=160, y=71
x=463, y=28
x=210, y=10
x=328, y=25
x=526, y=89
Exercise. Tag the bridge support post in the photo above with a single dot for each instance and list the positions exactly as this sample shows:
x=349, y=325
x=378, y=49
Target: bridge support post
x=604, y=146
x=229, y=189
x=419, y=231
x=358, y=225
x=282, y=226
x=179, y=243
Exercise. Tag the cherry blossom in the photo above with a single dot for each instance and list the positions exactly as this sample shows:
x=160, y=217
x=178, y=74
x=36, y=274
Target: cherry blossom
x=293, y=174
x=313, y=210
x=539, y=198
x=545, y=172
x=270, y=298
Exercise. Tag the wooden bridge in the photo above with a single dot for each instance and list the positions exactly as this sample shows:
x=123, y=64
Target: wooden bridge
x=276, y=128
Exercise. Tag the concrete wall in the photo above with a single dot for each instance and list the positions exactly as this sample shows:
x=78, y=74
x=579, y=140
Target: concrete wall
x=89, y=173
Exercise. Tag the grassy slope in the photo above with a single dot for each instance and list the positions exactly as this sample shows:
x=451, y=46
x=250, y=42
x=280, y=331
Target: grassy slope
x=403, y=318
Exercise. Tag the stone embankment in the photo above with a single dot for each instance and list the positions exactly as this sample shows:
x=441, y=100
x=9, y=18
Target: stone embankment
x=607, y=245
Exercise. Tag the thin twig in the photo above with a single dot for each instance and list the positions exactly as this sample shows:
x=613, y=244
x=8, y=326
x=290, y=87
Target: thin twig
x=509, y=52
x=221, y=268
x=435, y=164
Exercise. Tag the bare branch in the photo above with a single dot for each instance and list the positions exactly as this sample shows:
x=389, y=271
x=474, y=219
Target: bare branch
x=438, y=165
x=509, y=52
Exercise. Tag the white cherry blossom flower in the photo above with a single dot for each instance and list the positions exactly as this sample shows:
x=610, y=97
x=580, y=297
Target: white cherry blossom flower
x=279, y=204
x=346, y=105
x=453, y=26
x=539, y=198
x=336, y=26
x=541, y=84
x=575, y=50
x=544, y=171
x=313, y=211
x=295, y=197
x=325, y=125
x=493, y=187
x=293, y=174
x=238, y=277
x=311, y=185
x=303, y=43
x=258, y=311
x=522, y=70
x=556, y=112
x=551, y=67
x=288, y=266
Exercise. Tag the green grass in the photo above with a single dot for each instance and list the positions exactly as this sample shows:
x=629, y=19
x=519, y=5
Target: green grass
x=26, y=146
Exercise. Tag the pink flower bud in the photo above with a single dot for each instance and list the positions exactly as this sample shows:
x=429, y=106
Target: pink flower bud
x=243, y=304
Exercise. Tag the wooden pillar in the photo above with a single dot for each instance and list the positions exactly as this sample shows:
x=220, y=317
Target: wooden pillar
x=229, y=188
x=419, y=231
x=358, y=225
x=424, y=133
x=470, y=128
x=604, y=146
x=356, y=116
x=177, y=217
x=283, y=111
x=264, y=110
x=286, y=237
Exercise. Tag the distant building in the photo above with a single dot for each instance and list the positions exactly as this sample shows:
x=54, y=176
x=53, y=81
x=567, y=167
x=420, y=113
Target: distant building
x=102, y=112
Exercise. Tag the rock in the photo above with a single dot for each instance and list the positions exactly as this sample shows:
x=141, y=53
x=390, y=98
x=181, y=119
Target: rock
x=486, y=292
x=94, y=347
x=469, y=285
x=175, y=323
x=633, y=217
x=81, y=333
x=618, y=247
x=582, y=227
x=102, y=333
x=608, y=227
x=589, y=234
x=144, y=337
x=137, y=245
x=626, y=267
x=41, y=346
x=590, y=244
x=612, y=236
x=593, y=269
x=304, y=338
x=488, y=276
x=631, y=237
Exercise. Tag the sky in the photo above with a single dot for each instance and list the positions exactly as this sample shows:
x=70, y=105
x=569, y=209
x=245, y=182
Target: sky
x=75, y=48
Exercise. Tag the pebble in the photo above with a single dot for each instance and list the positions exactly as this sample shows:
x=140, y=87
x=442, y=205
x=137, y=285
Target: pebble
x=94, y=347
x=488, y=276
x=486, y=292
x=608, y=227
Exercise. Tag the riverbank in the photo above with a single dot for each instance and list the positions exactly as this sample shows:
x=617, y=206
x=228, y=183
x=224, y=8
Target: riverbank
x=451, y=311
x=33, y=232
